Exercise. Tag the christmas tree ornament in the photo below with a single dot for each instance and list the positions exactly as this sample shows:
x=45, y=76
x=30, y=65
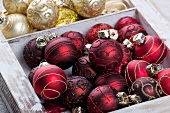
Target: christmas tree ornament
x=62, y=52
x=147, y=88
x=42, y=14
x=65, y=3
x=124, y=21
x=49, y=82
x=78, y=109
x=16, y=6
x=14, y=25
x=114, y=80
x=92, y=33
x=78, y=90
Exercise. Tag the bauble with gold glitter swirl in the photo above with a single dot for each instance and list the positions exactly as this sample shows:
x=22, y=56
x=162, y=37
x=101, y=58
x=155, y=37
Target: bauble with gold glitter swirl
x=42, y=14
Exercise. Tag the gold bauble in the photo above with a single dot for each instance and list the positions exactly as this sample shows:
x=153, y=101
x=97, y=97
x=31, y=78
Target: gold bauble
x=64, y=3
x=42, y=14
x=14, y=25
x=66, y=16
x=16, y=6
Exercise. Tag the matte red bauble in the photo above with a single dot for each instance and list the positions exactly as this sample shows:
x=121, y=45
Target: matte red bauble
x=124, y=21
x=114, y=80
x=61, y=52
x=49, y=82
x=92, y=34
x=78, y=90
x=147, y=88
x=129, y=31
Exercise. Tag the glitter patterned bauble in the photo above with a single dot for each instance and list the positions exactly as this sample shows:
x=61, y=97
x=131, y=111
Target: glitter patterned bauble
x=78, y=90
x=42, y=14
x=16, y=6
x=49, y=82
x=147, y=88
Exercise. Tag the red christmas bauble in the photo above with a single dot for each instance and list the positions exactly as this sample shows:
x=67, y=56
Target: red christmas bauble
x=78, y=39
x=136, y=69
x=127, y=32
x=153, y=50
x=78, y=90
x=114, y=80
x=92, y=34
x=61, y=52
x=102, y=99
x=83, y=68
x=147, y=88
x=124, y=21
x=49, y=82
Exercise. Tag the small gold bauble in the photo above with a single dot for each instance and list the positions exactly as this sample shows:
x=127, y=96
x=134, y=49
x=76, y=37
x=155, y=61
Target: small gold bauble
x=42, y=14
x=16, y=6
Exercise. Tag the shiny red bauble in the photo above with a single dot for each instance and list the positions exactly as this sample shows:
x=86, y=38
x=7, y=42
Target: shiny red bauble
x=61, y=52
x=114, y=80
x=102, y=99
x=92, y=34
x=153, y=50
x=124, y=21
x=49, y=82
x=147, y=88
x=78, y=90
x=129, y=31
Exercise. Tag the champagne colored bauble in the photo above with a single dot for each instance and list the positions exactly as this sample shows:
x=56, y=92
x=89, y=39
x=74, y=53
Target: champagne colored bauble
x=14, y=25
x=42, y=14
x=16, y=6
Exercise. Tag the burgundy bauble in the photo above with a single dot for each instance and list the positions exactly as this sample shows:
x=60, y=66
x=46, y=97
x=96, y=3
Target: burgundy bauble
x=92, y=34
x=127, y=32
x=49, y=82
x=78, y=39
x=114, y=80
x=147, y=88
x=102, y=99
x=124, y=21
x=61, y=52
x=83, y=68
x=78, y=90
x=153, y=50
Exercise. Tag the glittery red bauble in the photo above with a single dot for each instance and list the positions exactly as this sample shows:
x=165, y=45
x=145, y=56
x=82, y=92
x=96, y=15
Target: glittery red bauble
x=49, y=82
x=78, y=39
x=153, y=50
x=78, y=90
x=136, y=69
x=129, y=31
x=83, y=68
x=147, y=88
x=102, y=99
x=124, y=21
x=32, y=55
x=92, y=34
x=163, y=78
x=106, y=55
x=114, y=80
x=61, y=52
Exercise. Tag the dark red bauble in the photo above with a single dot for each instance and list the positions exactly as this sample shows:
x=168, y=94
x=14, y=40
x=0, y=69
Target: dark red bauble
x=102, y=99
x=153, y=50
x=147, y=88
x=106, y=55
x=129, y=31
x=61, y=52
x=78, y=90
x=114, y=80
x=92, y=34
x=124, y=21
x=136, y=69
x=83, y=68
x=78, y=39
x=163, y=78
x=49, y=82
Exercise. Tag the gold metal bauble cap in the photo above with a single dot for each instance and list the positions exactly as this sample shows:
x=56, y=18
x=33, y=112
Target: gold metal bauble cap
x=51, y=36
x=87, y=48
x=43, y=63
x=123, y=98
x=139, y=39
x=78, y=110
x=153, y=69
x=108, y=34
x=41, y=42
x=128, y=44
x=3, y=20
x=135, y=99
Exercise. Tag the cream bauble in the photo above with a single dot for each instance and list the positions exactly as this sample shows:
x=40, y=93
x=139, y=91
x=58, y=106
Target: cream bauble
x=42, y=14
